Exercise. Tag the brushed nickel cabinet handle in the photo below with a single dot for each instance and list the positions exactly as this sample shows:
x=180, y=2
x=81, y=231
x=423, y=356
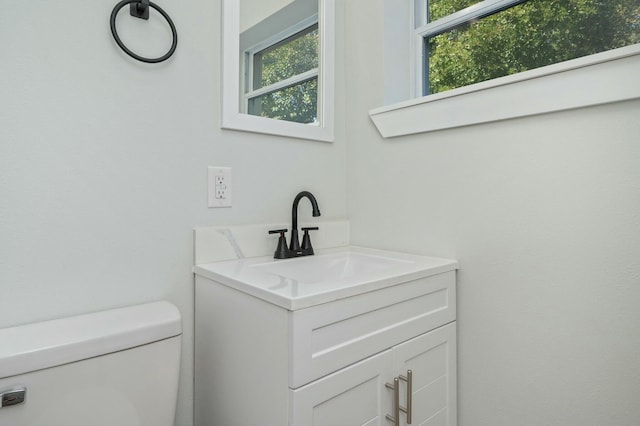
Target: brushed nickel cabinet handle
x=396, y=401
x=409, y=408
x=12, y=397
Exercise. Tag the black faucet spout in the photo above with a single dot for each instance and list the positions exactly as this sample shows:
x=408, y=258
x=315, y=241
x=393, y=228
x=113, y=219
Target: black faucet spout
x=294, y=245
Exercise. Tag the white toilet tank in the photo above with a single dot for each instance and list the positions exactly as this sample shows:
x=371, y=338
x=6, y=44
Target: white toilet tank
x=111, y=368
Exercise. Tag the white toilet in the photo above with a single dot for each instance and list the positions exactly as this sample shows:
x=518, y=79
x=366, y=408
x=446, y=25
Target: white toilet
x=112, y=368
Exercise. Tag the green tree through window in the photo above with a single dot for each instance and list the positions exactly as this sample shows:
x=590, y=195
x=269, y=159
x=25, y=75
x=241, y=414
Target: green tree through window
x=286, y=61
x=532, y=34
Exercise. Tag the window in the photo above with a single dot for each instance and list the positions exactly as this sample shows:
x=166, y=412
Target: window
x=281, y=75
x=595, y=79
x=462, y=42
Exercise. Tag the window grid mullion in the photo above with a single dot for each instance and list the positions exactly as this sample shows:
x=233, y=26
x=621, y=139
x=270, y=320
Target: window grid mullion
x=282, y=84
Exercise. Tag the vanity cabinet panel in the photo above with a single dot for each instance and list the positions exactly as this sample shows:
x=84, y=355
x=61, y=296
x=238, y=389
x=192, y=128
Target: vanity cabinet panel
x=257, y=363
x=356, y=395
x=432, y=360
x=241, y=359
x=327, y=337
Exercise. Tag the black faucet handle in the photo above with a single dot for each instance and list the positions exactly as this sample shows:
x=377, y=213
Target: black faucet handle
x=306, y=247
x=282, y=251
x=278, y=231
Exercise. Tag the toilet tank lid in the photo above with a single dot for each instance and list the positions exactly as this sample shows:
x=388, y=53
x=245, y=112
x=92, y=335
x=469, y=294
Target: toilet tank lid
x=47, y=344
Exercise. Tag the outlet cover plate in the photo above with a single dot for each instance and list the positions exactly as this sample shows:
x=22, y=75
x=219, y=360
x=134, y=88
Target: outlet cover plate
x=219, y=187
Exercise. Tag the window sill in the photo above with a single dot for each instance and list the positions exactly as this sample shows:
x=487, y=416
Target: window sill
x=598, y=79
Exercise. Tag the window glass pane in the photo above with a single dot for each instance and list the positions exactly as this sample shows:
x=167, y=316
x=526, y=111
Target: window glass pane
x=290, y=57
x=528, y=36
x=297, y=103
x=441, y=8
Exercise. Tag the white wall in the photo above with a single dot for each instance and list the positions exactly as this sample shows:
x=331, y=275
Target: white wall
x=543, y=214
x=103, y=162
x=102, y=177
x=253, y=12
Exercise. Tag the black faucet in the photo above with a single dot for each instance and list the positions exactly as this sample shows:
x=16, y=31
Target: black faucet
x=295, y=249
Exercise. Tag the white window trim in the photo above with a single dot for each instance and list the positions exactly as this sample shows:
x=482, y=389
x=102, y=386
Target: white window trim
x=234, y=119
x=282, y=35
x=602, y=78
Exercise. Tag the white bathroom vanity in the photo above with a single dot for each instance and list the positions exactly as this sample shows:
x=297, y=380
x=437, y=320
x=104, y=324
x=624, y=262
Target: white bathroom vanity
x=350, y=336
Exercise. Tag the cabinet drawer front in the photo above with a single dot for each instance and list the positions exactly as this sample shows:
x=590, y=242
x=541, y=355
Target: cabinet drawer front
x=328, y=337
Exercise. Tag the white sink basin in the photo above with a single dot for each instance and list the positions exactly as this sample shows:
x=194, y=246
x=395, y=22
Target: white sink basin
x=330, y=267
x=329, y=275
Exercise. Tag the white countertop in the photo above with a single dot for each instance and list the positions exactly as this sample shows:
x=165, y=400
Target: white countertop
x=330, y=274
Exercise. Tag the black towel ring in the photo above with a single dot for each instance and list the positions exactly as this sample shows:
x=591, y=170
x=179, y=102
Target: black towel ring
x=141, y=10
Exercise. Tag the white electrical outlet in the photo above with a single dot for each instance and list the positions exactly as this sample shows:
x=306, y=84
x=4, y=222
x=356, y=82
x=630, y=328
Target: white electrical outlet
x=219, y=186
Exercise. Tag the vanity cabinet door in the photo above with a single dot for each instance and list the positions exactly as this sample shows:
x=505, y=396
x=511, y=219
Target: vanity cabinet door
x=432, y=359
x=353, y=396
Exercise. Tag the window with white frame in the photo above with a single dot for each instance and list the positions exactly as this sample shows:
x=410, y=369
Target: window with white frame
x=281, y=75
x=462, y=42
